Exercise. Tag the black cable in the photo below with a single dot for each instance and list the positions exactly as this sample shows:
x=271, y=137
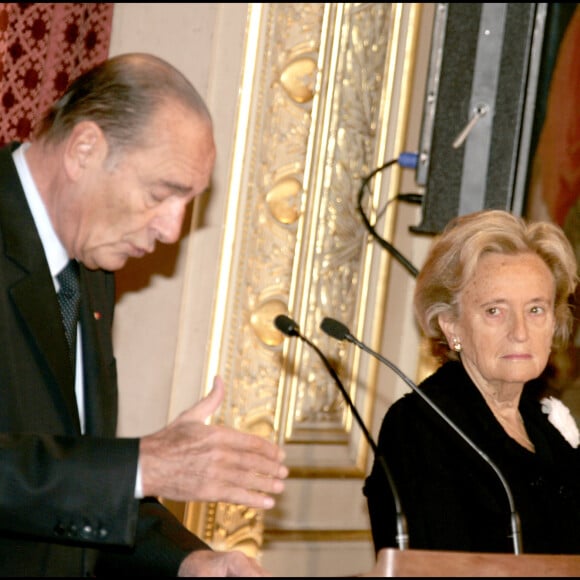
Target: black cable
x=408, y=197
x=384, y=243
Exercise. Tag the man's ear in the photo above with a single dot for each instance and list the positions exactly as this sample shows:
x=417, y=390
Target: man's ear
x=85, y=146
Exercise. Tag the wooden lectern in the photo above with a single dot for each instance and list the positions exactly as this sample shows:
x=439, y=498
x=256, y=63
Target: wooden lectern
x=392, y=562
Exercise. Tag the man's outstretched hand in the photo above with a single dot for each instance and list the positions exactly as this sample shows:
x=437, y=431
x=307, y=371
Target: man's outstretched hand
x=191, y=461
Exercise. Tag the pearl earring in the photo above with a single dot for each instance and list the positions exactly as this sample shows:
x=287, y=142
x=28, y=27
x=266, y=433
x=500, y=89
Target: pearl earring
x=456, y=344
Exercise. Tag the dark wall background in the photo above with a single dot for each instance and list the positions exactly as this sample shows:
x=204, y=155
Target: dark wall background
x=516, y=84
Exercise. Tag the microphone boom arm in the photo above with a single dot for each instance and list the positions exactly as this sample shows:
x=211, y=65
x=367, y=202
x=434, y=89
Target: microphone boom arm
x=338, y=330
x=290, y=328
x=402, y=534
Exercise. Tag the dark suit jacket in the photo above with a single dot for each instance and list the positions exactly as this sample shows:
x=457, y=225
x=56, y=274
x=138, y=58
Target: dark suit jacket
x=66, y=500
x=452, y=497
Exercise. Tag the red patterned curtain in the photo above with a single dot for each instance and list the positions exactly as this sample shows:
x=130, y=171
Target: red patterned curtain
x=42, y=48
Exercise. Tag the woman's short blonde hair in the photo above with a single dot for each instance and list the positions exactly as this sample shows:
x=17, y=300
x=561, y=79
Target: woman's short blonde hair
x=453, y=258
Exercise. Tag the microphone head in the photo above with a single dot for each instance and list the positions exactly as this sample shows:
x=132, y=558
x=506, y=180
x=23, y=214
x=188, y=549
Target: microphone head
x=286, y=325
x=335, y=329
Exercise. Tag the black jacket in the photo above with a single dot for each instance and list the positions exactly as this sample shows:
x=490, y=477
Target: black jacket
x=66, y=500
x=453, y=499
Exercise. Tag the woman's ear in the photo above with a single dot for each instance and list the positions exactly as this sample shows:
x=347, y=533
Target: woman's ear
x=85, y=145
x=447, y=324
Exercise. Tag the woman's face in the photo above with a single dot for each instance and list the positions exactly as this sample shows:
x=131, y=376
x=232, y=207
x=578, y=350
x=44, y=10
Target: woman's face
x=506, y=319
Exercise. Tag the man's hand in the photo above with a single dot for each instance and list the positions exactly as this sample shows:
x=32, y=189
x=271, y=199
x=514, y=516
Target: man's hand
x=205, y=563
x=191, y=461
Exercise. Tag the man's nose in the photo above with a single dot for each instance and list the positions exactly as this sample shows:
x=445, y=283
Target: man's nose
x=168, y=223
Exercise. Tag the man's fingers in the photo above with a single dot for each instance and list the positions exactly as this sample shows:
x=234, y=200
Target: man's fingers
x=237, y=495
x=212, y=462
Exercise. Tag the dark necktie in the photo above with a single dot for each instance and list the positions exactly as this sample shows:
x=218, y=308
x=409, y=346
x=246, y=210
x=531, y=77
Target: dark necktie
x=69, y=300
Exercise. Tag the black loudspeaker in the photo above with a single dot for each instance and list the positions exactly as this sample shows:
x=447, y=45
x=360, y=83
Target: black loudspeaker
x=479, y=109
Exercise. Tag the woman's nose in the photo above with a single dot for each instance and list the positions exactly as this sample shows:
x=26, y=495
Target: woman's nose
x=519, y=328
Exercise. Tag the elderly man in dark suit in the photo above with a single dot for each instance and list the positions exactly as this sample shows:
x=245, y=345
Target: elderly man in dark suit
x=109, y=173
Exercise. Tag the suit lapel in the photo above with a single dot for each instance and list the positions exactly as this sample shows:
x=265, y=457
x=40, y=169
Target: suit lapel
x=98, y=299
x=30, y=284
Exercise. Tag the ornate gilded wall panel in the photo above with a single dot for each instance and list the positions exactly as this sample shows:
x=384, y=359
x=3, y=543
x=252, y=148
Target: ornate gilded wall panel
x=322, y=103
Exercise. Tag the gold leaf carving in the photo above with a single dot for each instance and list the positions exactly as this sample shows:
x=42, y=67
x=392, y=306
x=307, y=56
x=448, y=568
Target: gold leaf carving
x=262, y=321
x=298, y=78
x=283, y=200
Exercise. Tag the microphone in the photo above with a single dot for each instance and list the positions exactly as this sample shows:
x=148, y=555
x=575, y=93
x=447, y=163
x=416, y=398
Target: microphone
x=337, y=330
x=290, y=328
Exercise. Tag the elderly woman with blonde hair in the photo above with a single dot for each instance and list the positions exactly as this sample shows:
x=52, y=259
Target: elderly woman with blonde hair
x=494, y=297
